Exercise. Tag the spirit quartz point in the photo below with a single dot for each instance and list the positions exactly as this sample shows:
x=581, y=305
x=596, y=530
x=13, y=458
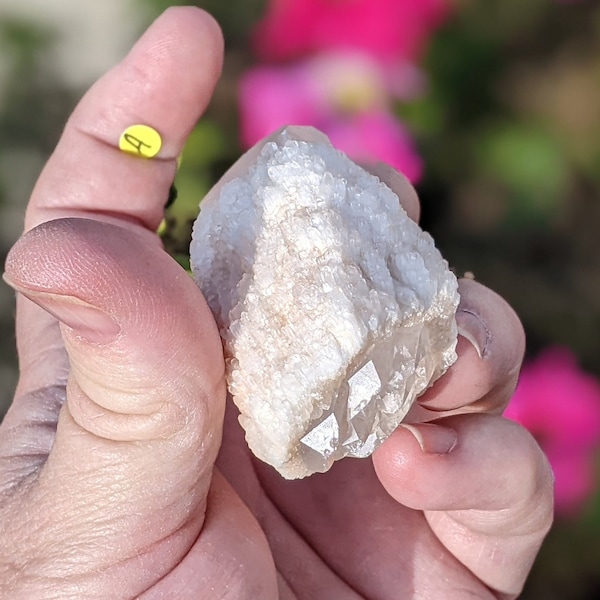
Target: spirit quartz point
x=336, y=310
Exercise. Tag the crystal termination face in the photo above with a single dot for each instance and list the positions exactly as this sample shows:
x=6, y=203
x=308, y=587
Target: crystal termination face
x=336, y=310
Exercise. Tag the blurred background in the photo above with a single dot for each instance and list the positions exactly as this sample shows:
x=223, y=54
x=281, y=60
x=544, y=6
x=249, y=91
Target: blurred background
x=491, y=108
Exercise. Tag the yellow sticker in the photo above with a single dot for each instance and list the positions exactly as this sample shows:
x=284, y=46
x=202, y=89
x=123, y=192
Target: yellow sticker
x=141, y=140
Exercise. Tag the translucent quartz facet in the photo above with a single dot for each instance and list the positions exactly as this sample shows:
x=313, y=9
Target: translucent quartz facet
x=336, y=310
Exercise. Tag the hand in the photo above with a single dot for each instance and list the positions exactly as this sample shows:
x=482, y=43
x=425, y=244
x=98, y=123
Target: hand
x=108, y=483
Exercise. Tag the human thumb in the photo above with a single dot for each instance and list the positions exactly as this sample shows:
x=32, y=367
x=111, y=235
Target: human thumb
x=131, y=463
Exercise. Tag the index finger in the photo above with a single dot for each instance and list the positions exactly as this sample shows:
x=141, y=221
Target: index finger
x=164, y=83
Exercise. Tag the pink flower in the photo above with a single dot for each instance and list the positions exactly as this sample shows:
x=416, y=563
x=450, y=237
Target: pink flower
x=345, y=95
x=387, y=29
x=560, y=405
x=374, y=136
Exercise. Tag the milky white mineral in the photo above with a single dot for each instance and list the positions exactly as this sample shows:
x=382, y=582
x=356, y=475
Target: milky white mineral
x=336, y=310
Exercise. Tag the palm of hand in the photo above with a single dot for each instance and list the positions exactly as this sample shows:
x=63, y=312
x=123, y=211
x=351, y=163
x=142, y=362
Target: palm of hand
x=341, y=535
x=336, y=535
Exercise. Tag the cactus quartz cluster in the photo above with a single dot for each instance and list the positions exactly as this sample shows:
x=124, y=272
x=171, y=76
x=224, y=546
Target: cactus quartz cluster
x=336, y=310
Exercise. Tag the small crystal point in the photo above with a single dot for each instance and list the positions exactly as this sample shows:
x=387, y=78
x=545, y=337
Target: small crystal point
x=336, y=310
x=364, y=384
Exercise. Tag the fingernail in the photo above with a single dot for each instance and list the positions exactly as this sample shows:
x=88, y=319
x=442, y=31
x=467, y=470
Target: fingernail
x=472, y=327
x=432, y=438
x=86, y=321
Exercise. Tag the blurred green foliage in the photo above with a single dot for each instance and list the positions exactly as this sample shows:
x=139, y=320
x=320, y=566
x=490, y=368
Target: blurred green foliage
x=206, y=147
x=33, y=105
x=531, y=164
x=33, y=108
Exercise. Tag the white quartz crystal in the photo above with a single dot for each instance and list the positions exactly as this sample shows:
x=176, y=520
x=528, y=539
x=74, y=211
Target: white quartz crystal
x=336, y=310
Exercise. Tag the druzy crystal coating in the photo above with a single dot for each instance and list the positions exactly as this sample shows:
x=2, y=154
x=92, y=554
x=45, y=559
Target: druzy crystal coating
x=336, y=310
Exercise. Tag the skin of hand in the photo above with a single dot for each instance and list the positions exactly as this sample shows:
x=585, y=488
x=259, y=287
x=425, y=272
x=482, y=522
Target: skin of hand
x=123, y=475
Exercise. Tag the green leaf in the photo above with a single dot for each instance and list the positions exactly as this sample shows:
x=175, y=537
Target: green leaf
x=529, y=163
x=205, y=146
